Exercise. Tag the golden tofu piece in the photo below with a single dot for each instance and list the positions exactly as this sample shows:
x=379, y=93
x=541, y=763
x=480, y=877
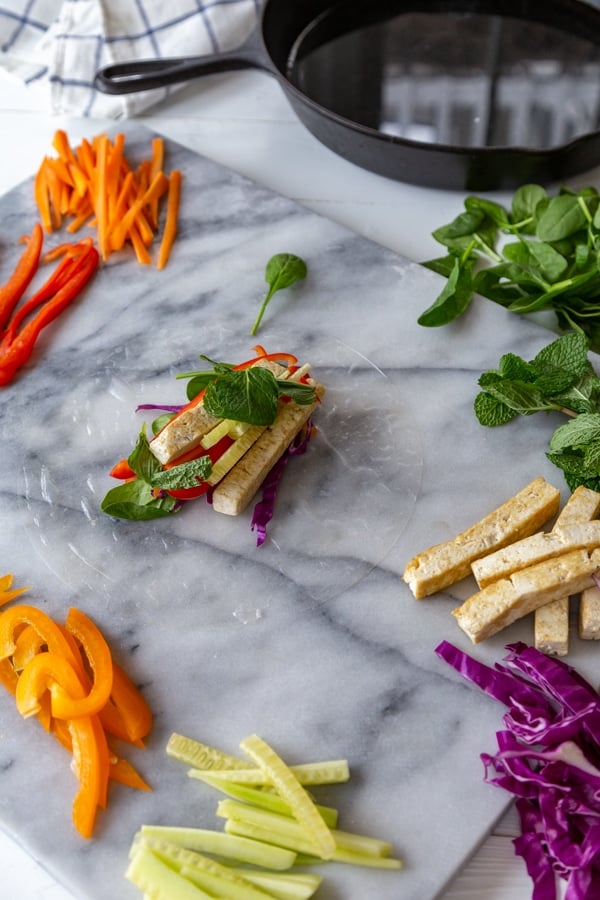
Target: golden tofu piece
x=449, y=562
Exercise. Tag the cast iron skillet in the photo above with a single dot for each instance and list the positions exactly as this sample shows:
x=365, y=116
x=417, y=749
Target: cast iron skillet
x=287, y=25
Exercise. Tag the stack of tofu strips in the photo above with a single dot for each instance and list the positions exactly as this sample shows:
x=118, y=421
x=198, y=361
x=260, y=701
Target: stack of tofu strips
x=520, y=569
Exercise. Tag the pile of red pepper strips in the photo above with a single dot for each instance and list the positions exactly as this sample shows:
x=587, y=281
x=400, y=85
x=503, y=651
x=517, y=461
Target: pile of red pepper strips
x=77, y=263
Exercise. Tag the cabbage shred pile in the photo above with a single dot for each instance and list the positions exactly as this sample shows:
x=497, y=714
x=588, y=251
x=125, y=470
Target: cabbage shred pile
x=548, y=758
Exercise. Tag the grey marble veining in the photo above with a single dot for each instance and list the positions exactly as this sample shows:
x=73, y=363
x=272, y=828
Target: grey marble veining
x=312, y=641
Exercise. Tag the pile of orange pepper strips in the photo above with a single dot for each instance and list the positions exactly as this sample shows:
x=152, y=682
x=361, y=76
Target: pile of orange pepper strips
x=92, y=185
x=66, y=677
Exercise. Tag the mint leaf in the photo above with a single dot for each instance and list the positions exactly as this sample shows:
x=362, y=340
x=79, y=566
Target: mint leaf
x=520, y=396
x=583, y=429
x=569, y=352
x=248, y=395
x=185, y=475
x=492, y=412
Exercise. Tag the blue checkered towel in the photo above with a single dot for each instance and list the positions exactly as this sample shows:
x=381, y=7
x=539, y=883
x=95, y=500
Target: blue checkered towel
x=58, y=45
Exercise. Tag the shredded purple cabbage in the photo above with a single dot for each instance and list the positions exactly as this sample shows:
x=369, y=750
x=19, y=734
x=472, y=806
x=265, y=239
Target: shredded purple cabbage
x=158, y=406
x=548, y=758
x=265, y=507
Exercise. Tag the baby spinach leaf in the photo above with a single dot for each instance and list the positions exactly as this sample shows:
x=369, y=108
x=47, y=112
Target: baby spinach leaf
x=455, y=297
x=524, y=205
x=554, y=265
x=282, y=271
x=562, y=217
x=134, y=500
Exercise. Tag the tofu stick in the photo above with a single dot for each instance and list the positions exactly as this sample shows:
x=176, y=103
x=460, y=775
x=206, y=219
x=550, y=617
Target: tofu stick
x=498, y=605
x=449, y=562
x=589, y=614
x=551, y=621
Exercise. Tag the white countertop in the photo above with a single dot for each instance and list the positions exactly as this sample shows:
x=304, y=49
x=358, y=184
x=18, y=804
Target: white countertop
x=243, y=121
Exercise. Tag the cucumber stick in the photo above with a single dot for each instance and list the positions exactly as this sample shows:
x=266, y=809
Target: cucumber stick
x=290, y=789
x=287, y=827
x=224, y=845
x=259, y=798
x=159, y=881
x=284, y=885
x=201, y=756
x=335, y=771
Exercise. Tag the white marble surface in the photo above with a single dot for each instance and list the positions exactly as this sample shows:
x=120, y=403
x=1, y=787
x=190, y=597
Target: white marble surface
x=373, y=627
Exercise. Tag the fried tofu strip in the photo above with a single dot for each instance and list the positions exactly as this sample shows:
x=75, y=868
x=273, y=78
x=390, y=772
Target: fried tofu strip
x=535, y=549
x=503, y=602
x=589, y=614
x=551, y=621
x=238, y=487
x=449, y=562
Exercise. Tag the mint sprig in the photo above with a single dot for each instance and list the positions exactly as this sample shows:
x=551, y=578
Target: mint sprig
x=560, y=378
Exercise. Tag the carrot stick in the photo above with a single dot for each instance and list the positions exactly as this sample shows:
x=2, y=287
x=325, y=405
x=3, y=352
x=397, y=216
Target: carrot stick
x=156, y=189
x=170, y=230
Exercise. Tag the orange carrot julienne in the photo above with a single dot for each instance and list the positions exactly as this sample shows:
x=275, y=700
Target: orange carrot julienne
x=94, y=184
x=170, y=230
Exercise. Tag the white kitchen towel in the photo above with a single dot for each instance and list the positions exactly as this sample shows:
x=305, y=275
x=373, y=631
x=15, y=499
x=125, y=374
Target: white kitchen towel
x=59, y=45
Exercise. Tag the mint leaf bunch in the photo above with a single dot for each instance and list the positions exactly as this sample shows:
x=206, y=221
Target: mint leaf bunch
x=540, y=253
x=560, y=378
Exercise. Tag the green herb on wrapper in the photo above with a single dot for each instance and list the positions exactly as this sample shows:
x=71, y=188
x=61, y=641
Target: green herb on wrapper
x=560, y=378
x=542, y=253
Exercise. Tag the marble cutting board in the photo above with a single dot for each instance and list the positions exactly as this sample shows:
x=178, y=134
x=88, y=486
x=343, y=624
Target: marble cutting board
x=312, y=640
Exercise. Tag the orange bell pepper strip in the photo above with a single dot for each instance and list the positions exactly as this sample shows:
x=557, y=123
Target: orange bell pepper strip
x=13, y=619
x=65, y=703
x=6, y=594
x=91, y=764
x=123, y=772
x=12, y=291
x=46, y=672
x=126, y=715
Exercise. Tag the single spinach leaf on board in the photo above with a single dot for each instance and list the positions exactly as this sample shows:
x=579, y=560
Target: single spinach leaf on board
x=282, y=271
x=454, y=298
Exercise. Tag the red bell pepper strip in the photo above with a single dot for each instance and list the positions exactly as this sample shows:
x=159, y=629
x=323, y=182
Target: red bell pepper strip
x=15, y=351
x=12, y=291
x=63, y=273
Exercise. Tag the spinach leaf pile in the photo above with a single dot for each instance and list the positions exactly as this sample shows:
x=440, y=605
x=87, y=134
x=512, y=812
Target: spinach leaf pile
x=541, y=253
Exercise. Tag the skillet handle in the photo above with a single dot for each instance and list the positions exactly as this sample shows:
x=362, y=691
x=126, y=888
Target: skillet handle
x=146, y=74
